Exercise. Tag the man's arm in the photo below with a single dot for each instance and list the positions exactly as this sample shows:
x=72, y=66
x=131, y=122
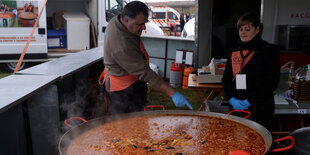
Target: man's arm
x=166, y=89
x=177, y=98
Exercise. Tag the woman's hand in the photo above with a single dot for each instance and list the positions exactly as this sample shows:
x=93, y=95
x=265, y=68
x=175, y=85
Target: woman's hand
x=239, y=104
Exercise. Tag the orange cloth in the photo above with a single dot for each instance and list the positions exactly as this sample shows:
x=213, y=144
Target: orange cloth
x=118, y=83
x=236, y=60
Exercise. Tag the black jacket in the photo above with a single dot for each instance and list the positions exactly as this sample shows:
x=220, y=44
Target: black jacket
x=262, y=72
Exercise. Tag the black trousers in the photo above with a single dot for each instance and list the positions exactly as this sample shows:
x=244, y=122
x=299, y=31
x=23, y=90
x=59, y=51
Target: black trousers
x=5, y=23
x=262, y=113
x=131, y=99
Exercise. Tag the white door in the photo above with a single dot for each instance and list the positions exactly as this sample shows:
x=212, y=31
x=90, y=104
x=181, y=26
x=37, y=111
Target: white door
x=107, y=10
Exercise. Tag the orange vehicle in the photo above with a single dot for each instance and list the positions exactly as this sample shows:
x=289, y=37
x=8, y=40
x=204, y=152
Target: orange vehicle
x=164, y=17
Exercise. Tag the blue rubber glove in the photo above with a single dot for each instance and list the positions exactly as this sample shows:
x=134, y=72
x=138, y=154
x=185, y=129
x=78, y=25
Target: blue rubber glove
x=238, y=104
x=246, y=102
x=180, y=101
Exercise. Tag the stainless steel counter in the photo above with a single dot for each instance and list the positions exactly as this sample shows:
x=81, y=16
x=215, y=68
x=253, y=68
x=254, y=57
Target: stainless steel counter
x=291, y=108
x=32, y=101
x=67, y=65
x=16, y=88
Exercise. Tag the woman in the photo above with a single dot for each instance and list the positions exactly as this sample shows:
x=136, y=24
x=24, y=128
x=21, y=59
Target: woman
x=252, y=72
x=26, y=7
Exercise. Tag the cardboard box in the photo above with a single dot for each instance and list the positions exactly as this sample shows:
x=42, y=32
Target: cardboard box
x=218, y=68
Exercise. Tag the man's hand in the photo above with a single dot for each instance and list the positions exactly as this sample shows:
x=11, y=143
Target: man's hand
x=239, y=104
x=180, y=101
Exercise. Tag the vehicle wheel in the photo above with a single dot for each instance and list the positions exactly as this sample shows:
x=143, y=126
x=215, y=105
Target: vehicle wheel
x=10, y=66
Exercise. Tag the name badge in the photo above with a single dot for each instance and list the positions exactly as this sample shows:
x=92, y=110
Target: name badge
x=240, y=81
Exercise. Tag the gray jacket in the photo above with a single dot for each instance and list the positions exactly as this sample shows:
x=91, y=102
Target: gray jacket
x=122, y=55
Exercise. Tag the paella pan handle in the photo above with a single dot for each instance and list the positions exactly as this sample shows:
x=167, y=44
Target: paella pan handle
x=247, y=116
x=154, y=106
x=287, y=147
x=66, y=122
x=238, y=152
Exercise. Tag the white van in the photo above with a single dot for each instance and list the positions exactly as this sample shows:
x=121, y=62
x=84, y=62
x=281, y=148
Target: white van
x=16, y=24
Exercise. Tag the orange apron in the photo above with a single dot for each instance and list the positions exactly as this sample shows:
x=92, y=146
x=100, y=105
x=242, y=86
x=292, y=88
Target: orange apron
x=237, y=61
x=118, y=83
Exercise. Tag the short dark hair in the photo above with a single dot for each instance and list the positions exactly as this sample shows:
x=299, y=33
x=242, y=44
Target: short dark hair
x=132, y=9
x=251, y=18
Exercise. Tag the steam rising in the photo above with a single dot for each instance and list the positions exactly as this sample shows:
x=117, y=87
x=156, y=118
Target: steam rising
x=85, y=101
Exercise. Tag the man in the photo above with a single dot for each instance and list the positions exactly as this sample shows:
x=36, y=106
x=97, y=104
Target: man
x=30, y=7
x=127, y=63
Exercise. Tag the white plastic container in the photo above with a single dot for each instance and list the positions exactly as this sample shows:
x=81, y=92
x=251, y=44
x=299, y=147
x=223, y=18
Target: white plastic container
x=77, y=28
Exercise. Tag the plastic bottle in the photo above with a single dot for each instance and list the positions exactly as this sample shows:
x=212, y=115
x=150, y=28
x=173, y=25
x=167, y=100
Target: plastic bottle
x=302, y=75
x=187, y=71
x=291, y=77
